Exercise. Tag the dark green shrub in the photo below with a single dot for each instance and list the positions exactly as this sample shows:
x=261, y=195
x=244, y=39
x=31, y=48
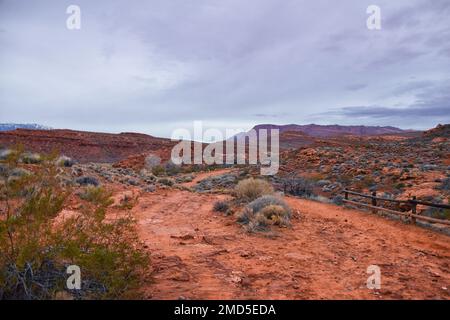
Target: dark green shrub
x=38, y=242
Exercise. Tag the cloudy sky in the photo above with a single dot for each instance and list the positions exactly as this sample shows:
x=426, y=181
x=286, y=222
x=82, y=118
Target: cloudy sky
x=156, y=65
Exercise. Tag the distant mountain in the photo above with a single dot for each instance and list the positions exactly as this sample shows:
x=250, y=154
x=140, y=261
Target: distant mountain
x=315, y=130
x=442, y=130
x=14, y=126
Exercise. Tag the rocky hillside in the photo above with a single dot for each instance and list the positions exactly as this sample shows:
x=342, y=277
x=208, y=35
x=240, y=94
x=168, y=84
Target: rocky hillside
x=87, y=146
x=315, y=130
x=441, y=131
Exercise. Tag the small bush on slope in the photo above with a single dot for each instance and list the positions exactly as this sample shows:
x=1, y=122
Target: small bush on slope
x=37, y=246
x=263, y=212
x=97, y=195
x=267, y=200
x=251, y=189
x=278, y=215
x=221, y=206
x=259, y=223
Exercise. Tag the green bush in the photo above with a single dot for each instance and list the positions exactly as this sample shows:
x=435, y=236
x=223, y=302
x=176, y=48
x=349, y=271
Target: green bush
x=97, y=195
x=38, y=243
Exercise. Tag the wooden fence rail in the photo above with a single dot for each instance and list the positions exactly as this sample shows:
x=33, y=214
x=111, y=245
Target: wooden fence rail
x=412, y=202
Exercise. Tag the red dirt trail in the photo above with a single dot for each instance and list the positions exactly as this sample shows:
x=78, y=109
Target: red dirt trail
x=199, y=254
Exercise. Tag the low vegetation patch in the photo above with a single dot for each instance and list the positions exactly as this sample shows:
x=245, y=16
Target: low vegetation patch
x=263, y=212
x=96, y=195
x=166, y=181
x=38, y=241
x=221, y=206
x=250, y=189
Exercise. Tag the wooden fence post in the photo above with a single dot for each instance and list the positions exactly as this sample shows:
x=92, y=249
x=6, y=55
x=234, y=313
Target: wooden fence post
x=413, y=209
x=374, y=201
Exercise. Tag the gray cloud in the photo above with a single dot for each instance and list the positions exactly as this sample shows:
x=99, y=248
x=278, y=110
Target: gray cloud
x=152, y=66
x=431, y=104
x=415, y=112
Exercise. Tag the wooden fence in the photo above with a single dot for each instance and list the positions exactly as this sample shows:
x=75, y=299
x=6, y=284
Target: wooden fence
x=412, y=214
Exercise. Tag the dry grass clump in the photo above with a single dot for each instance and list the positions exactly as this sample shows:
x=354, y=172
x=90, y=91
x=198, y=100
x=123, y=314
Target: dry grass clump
x=221, y=206
x=277, y=214
x=250, y=189
x=267, y=200
x=263, y=212
x=96, y=195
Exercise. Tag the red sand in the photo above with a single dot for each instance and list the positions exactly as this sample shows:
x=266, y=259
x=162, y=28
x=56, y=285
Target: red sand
x=199, y=254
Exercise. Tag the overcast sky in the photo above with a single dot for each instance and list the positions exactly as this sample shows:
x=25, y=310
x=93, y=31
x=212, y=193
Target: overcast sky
x=152, y=66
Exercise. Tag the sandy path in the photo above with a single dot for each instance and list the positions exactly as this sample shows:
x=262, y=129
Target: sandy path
x=199, y=254
x=203, y=175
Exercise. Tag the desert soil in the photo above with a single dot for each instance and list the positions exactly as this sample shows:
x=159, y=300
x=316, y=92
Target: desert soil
x=199, y=254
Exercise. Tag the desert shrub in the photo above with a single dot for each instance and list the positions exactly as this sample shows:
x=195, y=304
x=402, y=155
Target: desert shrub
x=128, y=202
x=400, y=185
x=221, y=206
x=64, y=161
x=259, y=223
x=3, y=169
x=251, y=189
x=263, y=212
x=445, y=184
x=172, y=168
x=277, y=215
x=5, y=153
x=244, y=216
x=297, y=186
x=96, y=195
x=223, y=181
x=152, y=161
x=267, y=200
x=438, y=213
x=158, y=170
x=149, y=188
x=37, y=243
x=184, y=179
x=86, y=180
x=166, y=181
x=31, y=158
x=338, y=200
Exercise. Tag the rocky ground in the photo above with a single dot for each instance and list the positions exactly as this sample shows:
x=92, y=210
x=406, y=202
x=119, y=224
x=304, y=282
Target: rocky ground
x=394, y=167
x=199, y=254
